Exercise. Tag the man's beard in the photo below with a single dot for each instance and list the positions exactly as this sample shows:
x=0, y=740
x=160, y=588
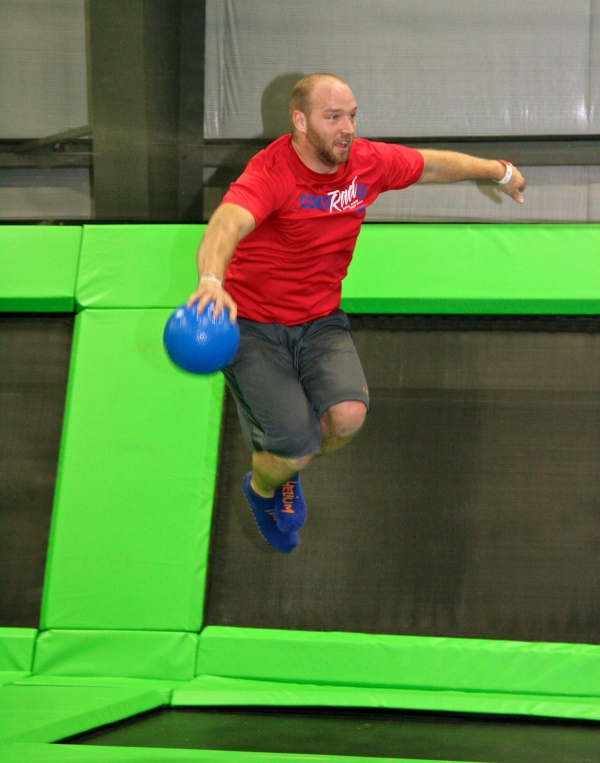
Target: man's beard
x=325, y=151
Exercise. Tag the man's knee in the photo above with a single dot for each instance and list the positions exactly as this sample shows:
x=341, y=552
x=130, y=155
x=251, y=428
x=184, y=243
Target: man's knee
x=344, y=419
x=293, y=464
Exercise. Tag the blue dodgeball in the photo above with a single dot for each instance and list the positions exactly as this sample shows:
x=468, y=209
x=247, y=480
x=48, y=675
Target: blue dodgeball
x=199, y=342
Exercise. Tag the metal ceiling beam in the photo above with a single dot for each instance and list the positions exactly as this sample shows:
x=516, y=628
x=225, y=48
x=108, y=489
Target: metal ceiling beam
x=233, y=155
x=52, y=140
x=545, y=151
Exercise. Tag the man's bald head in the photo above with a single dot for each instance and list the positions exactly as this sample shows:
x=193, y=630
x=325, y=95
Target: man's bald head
x=301, y=98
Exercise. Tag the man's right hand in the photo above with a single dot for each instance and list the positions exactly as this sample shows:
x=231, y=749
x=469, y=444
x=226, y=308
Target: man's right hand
x=211, y=291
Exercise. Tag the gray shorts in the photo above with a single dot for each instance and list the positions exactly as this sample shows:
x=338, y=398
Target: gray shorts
x=284, y=378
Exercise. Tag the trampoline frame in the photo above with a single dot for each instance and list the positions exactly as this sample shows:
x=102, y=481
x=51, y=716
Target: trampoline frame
x=138, y=641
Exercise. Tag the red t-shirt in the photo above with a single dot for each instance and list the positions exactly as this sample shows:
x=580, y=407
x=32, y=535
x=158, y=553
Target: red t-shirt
x=290, y=268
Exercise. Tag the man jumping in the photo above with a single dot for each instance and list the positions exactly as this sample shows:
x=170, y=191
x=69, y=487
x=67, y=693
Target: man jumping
x=275, y=253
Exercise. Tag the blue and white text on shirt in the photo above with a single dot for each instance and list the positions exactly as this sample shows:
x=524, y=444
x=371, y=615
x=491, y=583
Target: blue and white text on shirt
x=338, y=201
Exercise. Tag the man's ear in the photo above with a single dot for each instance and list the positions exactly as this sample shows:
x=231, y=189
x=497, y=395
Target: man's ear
x=299, y=121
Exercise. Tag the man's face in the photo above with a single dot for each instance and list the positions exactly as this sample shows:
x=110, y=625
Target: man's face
x=330, y=127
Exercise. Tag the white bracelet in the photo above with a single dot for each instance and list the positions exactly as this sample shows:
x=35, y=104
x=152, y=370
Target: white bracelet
x=508, y=173
x=211, y=277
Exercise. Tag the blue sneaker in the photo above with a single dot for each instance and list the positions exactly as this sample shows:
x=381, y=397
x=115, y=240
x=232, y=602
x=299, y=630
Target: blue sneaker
x=264, y=515
x=290, y=509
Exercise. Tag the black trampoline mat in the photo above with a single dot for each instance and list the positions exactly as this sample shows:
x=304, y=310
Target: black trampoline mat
x=322, y=731
x=34, y=365
x=469, y=505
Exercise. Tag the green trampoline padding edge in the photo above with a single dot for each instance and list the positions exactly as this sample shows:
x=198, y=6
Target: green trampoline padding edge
x=137, y=266
x=51, y=713
x=40, y=753
x=164, y=687
x=38, y=267
x=396, y=268
x=16, y=648
x=149, y=655
x=12, y=676
x=132, y=556
x=210, y=691
x=474, y=268
x=58, y=304
x=467, y=306
x=400, y=662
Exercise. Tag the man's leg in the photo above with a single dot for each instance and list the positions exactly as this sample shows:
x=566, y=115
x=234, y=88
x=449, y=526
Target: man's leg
x=294, y=388
x=339, y=424
x=270, y=472
x=276, y=418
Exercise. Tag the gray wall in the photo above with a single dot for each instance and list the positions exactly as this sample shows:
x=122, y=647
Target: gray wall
x=43, y=86
x=417, y=67
x=43, y=91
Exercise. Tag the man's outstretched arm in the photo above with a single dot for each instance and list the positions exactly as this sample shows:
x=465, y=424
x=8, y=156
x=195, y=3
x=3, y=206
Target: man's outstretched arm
x=228, y=225
x=450, y=167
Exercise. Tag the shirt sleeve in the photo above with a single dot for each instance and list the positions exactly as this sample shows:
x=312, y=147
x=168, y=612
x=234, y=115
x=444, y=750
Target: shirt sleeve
x=401, y=166
x=258, y=189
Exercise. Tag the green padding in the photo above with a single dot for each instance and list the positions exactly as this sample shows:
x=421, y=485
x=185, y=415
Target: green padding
x=50, y=713
x=38, y=267
x=475, y=269
x=164, y=687
x=403, y=662
x=129, y=654
x=396, y=268
x=16, y=648
x=39, y=753
x=138, y=265
x=136, y=481
x=206, y=691
x=12, y=676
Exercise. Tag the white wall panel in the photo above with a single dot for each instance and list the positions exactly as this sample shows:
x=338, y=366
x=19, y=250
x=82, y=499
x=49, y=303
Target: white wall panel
x=55, y=194
x=417, y=67
x=42, y=67
x=554, y=194
x=593, y=214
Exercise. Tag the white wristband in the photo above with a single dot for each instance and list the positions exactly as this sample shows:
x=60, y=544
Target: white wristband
x=211, y=277
x=508, y=173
